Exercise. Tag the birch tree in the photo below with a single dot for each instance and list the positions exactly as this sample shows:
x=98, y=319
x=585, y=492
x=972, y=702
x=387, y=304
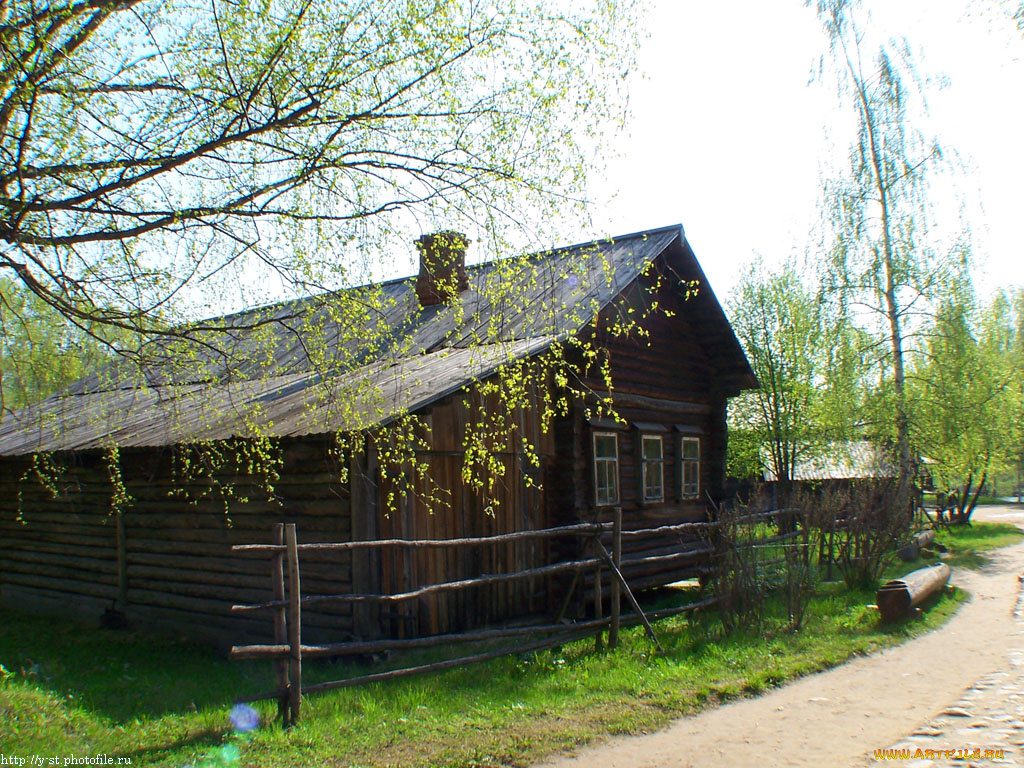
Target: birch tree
x=883, y=259
x=162, y=161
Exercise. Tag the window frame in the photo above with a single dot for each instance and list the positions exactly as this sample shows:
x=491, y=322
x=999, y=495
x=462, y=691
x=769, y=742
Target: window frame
x=684, y=462
x=646, y=463
x=614, y=461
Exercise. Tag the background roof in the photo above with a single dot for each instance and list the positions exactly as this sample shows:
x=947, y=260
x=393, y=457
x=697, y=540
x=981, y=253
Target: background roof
x=852, y=460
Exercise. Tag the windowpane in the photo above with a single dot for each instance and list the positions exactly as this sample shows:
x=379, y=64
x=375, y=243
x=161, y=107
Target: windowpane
x=605, y=446
x=606, y=468
x=654, y=487
x=689, y=467
x=691, y=448
x=653, y=468
x=690, y=477
x=652, y=448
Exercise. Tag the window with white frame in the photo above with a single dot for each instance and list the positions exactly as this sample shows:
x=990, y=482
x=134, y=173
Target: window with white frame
x=606, y=468
x=653, y=463
x=689, y=467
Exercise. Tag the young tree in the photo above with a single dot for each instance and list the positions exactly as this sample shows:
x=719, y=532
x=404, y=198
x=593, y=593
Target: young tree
x=801, y=351
x=964, y=391
x=1016, y=435
x=883, y=261
x=1008, y=309
x=775, y=318
x=41, y=355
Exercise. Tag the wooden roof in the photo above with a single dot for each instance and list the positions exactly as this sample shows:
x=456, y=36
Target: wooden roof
x=514, y=308
x=292, y=404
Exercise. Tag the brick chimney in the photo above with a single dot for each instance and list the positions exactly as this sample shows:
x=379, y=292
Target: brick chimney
x=442, y=274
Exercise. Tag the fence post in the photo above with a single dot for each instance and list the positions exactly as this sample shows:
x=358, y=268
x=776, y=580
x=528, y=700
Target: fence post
x=294, y=626
x=598, y=597
x=568, y=596
x=280, y=621
x=122, y=563
x=616, y=596
x=629, y=594
x=831, y=548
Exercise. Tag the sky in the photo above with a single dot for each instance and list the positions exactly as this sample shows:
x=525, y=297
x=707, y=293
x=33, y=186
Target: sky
x=728, y=137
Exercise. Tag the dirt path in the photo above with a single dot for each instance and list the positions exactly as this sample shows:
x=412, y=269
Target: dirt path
x=839, y=717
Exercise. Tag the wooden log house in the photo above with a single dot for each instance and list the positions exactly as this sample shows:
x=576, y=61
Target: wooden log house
x=162, y=559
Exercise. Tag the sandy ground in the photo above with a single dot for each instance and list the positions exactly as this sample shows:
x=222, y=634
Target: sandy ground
x=839, y=717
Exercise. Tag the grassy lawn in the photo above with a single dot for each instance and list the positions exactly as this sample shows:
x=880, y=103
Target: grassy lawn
x=67, y=691
x=968, y=543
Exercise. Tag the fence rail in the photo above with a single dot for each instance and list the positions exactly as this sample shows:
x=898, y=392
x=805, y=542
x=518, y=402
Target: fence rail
x=287, y=651
x=502, y=538
x=432, y=589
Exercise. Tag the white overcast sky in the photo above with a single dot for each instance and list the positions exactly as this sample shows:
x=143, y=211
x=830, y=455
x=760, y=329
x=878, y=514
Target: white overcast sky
x=727, y=136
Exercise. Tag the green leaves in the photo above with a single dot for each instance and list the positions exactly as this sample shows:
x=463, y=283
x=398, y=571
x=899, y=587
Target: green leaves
x=797, y=352
x=967, y=389
x=162, y=162
x=216, y=140
x=42, y=352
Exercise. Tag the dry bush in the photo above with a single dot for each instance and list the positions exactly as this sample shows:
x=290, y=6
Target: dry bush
x=857, y=527
x=761, y=553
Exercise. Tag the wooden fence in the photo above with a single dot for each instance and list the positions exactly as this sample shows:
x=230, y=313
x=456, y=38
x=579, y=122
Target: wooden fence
x=287, y=604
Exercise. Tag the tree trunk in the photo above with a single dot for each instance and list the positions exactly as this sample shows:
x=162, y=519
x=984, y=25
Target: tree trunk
x=974, y=500
x=892, y=313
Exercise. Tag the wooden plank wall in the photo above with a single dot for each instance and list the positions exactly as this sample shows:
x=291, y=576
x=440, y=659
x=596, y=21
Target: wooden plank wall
x=61, y=555
x=665, y=376
x=444, y=506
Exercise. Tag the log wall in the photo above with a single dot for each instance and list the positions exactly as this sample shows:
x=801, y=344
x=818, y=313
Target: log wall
x=665, y=376
x=175, y=569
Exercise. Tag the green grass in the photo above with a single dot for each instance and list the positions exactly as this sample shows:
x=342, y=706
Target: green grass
x=73, y=691
x=968, y=543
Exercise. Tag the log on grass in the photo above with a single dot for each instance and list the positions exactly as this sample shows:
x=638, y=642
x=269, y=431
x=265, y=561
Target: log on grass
x=896, y=598
x=917, y=542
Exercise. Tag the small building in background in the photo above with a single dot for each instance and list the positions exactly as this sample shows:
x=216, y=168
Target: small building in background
x=841, y=462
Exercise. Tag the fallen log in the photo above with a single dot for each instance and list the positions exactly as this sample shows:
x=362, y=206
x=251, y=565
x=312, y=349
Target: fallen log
x=896, y=598
x=917, y=542
x=924, y=538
